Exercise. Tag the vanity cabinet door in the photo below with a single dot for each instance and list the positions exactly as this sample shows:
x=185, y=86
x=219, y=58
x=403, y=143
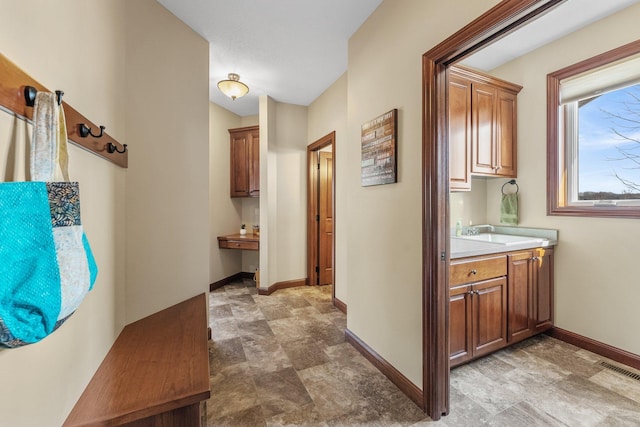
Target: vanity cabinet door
x=460, y=327
x=489, y=313
x=520, y=278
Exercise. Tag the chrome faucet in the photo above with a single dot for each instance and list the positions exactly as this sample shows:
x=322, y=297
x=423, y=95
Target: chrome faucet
x=474, y=230
x=470, y=231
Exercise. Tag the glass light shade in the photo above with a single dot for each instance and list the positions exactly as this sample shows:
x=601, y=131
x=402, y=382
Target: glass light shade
x=233, y=87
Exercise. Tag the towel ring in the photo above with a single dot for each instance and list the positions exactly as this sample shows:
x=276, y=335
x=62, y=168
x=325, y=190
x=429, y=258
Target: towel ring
x=512, y=182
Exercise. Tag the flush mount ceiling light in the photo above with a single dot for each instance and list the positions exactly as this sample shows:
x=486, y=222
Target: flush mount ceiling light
x=233, y=87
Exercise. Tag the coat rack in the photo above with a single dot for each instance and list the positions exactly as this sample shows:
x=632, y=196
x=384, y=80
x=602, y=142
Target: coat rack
x=16, y=90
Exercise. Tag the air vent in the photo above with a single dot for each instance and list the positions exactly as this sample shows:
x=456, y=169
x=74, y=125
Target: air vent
x=620, y=370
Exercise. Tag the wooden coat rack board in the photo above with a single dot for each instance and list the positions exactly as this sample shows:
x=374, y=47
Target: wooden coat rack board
x=12, y=97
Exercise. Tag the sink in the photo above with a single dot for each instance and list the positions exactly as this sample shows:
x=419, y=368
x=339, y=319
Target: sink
x=501, y=239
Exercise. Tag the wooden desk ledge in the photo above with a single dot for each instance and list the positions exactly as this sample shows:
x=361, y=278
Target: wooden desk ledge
x=247, y=241
x=156, y=373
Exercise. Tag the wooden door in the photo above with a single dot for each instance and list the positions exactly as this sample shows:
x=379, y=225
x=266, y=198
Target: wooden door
x=543, y=289
x=459, y=133
x=520, y=278
x=506, y=134
x=460, y=326
x=483, y=100
x=489, y=311
x=325, y=226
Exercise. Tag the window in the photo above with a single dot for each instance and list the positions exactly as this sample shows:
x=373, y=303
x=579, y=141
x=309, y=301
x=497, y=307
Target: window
x=594, y=136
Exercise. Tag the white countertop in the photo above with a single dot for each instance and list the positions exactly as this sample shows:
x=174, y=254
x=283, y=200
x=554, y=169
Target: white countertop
x=461, y=247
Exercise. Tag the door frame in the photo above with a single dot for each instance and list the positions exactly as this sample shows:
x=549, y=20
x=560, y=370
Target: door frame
x=312, y=205
x=505, y=17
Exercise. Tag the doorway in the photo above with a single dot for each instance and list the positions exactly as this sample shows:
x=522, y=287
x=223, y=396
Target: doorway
x=320, y=212
x=502, y=19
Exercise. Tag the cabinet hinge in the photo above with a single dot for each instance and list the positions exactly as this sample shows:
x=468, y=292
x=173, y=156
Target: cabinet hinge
x=443, y=256
x=318, y=166
x=317, y=217
x=317, y=269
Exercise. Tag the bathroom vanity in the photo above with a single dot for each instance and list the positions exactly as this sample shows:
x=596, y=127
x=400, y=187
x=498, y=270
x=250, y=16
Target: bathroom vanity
x=501, y=289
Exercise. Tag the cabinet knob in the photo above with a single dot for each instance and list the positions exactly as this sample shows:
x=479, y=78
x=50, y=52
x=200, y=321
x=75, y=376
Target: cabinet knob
x=474, y=271
x=535, y=258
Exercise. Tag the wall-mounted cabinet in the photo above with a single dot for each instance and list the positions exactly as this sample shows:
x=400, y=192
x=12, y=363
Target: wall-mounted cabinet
x=482, y=127
x=245, y=162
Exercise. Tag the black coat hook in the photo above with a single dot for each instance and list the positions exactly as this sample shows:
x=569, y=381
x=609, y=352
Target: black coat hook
x=112, y=148
x=85, y=131
x=30, y=95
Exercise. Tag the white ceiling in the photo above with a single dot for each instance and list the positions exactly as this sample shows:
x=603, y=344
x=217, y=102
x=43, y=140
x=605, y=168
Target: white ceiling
x=293, y=50
x=560, y=21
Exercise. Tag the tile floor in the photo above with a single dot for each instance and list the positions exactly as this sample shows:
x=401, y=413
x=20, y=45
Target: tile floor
x=282, y=360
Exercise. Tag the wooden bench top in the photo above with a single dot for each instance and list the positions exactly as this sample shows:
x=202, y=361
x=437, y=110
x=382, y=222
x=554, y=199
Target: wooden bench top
x=157, y=364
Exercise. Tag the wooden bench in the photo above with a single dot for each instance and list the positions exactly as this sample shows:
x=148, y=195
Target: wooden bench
x=155, y=374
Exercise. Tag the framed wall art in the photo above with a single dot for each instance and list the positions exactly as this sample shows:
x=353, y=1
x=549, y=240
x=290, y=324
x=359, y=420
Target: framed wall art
x=379, y=150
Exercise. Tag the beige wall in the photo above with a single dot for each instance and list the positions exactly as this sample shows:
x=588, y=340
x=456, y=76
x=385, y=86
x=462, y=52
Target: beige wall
x=167, y=124
x=469, y=206
x=328, y=113
x=383, y=224
x=225, y=212
x=283, y=209
x=268, y=192
x=41, y=382
x=291, y=214
x=596, y=286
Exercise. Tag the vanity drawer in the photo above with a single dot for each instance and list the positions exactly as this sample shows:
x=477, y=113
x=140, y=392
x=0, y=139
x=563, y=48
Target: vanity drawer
x=468, y=270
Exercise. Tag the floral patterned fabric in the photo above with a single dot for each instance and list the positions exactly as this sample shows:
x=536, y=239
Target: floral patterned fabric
x=64, y=203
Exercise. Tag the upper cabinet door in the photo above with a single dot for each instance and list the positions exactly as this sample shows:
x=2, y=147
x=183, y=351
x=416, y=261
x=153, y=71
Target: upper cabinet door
x=245, y=162
x=459, y=133
x=254, y=163
x=506, y=134
x=483, y=100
